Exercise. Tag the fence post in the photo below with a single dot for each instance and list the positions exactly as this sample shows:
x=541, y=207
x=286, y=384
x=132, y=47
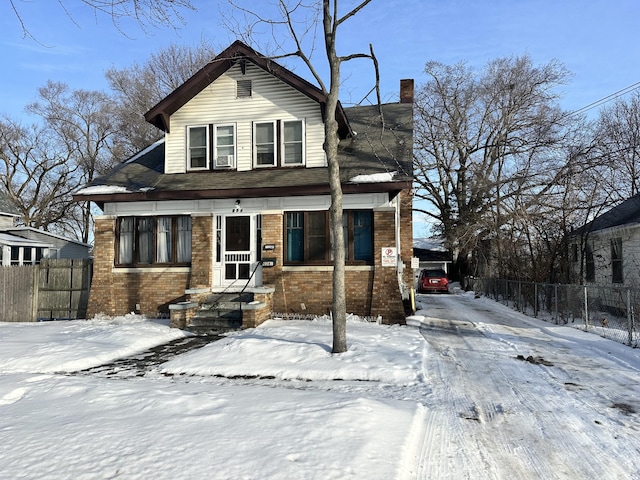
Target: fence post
x=629, y=318
x=535, y=300
x=555, y=303
x=35, y=282
x=586, y=310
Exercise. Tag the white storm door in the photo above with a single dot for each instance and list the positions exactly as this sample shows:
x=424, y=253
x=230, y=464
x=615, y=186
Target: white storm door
x=238, y=256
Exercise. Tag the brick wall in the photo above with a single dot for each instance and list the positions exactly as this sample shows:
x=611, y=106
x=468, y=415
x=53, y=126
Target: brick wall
x=386, y=296
x=101, y=296
x=406, y=235
x=201, y=251
x=115, y=292
x=369, y=292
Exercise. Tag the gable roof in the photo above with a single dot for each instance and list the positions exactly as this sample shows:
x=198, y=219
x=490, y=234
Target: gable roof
x=237, y=52
x=378, y=158
x=626, y=213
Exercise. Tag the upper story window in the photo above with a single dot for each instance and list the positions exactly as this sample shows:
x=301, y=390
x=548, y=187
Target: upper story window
x=279, y=143
x=293, y=142
x=211, y=141
x=225, y=146
x=264, y=148
x=198, y=148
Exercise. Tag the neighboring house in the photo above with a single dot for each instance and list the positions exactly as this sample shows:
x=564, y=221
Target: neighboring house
x=236, y=197
x=27, y=245
x=606, y=251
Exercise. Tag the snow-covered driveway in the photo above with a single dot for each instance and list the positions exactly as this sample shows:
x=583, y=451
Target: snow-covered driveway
x=517, y=398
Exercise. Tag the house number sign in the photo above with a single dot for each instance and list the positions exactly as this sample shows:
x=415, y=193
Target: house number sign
x=269, y=262
x=388, y=256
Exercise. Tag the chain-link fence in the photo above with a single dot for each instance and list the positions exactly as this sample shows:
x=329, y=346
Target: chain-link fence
x=607, y=311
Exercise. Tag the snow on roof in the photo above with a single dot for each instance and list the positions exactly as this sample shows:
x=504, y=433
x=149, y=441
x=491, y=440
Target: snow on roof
x=374, y=178
x=107, y=189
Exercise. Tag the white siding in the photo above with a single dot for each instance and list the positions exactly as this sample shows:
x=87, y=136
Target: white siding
x=601, y=243
x=271, y=99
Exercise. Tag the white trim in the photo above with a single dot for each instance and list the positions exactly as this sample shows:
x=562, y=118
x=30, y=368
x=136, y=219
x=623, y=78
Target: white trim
x=326, y=268
x=304, y=145
x=151, y=269
x=232, y=164
x=274, y=123
x=206, y=146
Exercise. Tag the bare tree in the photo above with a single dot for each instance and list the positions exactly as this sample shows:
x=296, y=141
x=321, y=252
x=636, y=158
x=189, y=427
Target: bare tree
x=141, y=86
x=486, y=148
x=35, y=175
x=297, y=23
x=81, y=125
x=618, y=133
x=144, y=12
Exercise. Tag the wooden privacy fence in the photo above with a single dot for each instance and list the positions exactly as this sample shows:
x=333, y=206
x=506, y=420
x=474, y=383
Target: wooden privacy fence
x=53, y=290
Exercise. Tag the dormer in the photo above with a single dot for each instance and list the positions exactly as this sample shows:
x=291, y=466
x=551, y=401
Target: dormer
x=243, y=112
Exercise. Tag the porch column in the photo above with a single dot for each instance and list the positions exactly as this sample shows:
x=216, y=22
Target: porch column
x=102, y=295
x=202, y=251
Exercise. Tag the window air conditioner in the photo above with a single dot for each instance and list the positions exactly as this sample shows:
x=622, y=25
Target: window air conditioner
x=224, y=161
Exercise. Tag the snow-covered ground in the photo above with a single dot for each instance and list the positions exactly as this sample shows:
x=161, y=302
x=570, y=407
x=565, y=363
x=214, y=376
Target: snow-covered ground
x=470, y=389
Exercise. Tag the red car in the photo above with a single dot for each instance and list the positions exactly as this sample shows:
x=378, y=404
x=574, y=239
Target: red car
x=433, y=281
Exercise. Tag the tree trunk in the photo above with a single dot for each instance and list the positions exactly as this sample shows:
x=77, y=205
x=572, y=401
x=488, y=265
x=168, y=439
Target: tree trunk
x=331, y=140
x=339, y=303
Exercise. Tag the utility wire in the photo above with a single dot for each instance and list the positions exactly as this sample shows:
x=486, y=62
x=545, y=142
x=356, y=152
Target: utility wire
x=606, y=99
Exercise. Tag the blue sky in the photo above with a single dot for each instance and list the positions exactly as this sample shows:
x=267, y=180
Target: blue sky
x=597, y=40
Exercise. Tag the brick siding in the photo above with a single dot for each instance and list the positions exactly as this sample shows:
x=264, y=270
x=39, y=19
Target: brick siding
x=370, y=292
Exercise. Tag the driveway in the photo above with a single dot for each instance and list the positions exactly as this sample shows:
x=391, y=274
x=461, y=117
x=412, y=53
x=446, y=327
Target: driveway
x=517, y=398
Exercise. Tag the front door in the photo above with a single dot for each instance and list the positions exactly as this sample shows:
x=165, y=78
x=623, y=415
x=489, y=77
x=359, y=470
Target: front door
x=237, y=249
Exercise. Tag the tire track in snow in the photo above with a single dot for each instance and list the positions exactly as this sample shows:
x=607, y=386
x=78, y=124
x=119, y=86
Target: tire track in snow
x=490, y=416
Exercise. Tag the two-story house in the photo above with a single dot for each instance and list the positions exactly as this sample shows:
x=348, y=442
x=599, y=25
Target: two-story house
x=235, y=197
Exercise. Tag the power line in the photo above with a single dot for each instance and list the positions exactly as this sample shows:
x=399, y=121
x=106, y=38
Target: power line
x=606, y=99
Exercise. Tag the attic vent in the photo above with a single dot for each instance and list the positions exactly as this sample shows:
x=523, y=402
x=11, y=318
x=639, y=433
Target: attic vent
x=243, y=88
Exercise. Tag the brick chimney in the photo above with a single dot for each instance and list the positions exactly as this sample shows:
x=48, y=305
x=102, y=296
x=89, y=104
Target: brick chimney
x=406, y=90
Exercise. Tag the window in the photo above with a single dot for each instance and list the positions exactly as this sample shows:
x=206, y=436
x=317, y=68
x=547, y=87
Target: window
x=574, y=253
x=307, y=237
x=279, y=143
x=265, y=144
x=200, y=149
x=295, y=237
x=589, y=264
x=197, y=148
x=154, y=240
x=225, y=146
x=358, y=235
x=616, y=261
x=25, y=255
x=292, y=142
